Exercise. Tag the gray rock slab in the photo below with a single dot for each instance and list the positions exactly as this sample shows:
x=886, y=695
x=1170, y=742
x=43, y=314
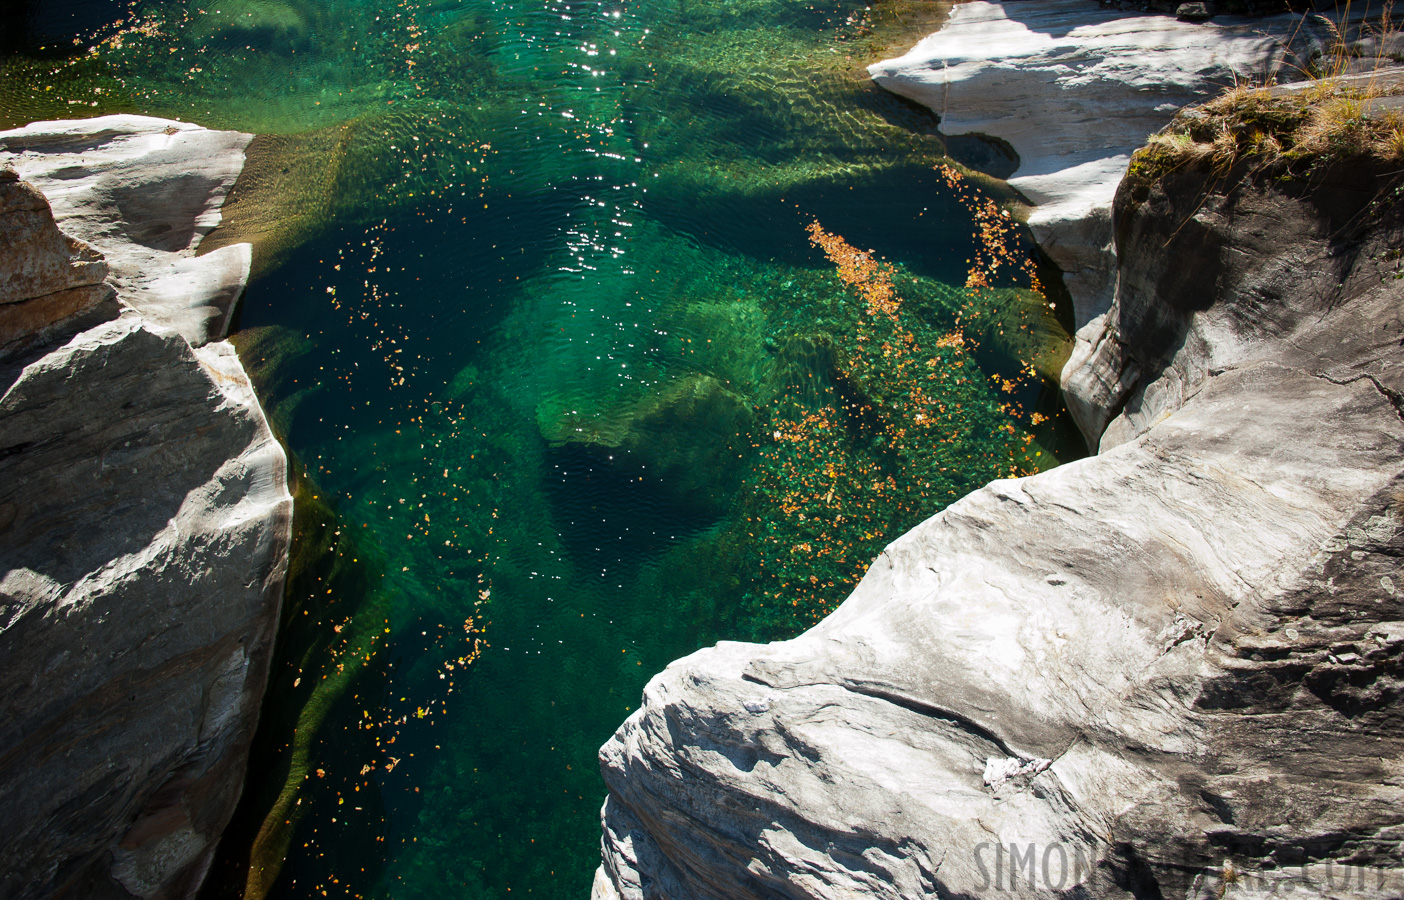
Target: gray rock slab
x=144, y=530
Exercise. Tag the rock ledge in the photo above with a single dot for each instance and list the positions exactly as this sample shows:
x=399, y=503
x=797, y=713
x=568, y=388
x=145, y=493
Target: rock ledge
x=144, y=512
x=1075, y=88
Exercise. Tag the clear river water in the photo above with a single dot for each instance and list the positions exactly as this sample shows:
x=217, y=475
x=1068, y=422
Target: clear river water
x=597, y=331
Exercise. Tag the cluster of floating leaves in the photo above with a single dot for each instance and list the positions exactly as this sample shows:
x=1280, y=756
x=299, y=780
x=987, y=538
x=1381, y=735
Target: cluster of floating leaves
x=909, y=424
x=997, y=234
x=870, y=278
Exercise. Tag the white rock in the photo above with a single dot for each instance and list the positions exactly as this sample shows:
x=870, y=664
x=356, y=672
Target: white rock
x=998, y=771
x=1075, y=89
x=1135, y=664
x=144, y=191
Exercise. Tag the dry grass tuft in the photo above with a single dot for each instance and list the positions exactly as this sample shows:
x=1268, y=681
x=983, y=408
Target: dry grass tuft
x=1330, y=117
x=1244, y=98
x=1257, y=126
x=1337, y=123
x=1392, y=144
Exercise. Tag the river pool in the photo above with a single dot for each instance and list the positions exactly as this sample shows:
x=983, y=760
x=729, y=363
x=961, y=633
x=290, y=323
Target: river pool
x=597, y=332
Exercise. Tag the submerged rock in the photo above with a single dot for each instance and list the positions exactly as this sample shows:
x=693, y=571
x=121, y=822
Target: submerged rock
x=690, y=434
x=1074, y=88
x=1175, y=669
x=266, y=25
x=144, y=516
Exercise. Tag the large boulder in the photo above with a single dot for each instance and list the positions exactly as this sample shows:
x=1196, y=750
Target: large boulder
x=144, y=516
x=144, y=192
x=1174, y=669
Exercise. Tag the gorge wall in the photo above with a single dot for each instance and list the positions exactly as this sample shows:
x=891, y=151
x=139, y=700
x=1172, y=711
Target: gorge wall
x=1173, y=669
x=144, y=513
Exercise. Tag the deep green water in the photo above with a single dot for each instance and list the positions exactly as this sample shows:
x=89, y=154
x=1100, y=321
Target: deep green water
x=568, y=389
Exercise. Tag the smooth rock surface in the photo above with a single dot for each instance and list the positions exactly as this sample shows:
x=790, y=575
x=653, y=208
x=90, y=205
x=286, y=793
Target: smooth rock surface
x=144, y=531
x=144, y=191
x=1175, y=669
x=1074, y=89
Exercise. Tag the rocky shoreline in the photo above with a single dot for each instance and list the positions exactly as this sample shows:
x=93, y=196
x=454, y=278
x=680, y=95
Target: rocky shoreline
x=1173, y=669
x=144, y=511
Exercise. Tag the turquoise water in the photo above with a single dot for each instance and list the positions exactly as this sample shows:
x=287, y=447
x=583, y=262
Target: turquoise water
x=569, y=389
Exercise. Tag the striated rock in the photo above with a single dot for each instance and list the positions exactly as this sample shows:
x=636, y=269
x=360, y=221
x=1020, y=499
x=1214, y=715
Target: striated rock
x=1104, y=372
x=1074, y=88
x=47, y=279
x=142, y=560
x=144, y=191
x=41, y=259
x=34, y=320
x=144, y=529
x=1175, y=669
x=1096, y=378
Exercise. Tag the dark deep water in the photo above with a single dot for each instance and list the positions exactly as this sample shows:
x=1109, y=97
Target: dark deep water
x=569, y=389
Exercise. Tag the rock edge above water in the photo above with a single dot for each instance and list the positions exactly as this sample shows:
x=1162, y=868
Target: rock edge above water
x=144, y=515
x=1175, y=669
x=1074, y=88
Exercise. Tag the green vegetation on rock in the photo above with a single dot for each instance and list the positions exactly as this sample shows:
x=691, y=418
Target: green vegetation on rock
x=1286, y=130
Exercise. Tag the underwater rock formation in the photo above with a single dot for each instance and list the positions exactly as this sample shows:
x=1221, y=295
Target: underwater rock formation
x=688, y=435
x=266, y=25
x=144, y=513
x=1174, y=669
x=1074, y=88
